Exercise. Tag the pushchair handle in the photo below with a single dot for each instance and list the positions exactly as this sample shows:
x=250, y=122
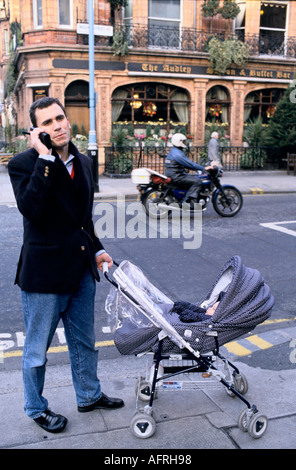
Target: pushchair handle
x=105, y=267
x=106, y=271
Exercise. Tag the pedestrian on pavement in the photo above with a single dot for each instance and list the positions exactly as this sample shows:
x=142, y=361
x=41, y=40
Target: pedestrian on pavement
x=59, y=261
x=213, y=150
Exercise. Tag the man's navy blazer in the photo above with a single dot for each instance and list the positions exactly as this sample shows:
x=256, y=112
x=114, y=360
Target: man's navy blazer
x=59, y=239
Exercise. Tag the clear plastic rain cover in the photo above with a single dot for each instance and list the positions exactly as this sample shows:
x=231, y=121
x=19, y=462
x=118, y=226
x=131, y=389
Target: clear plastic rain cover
x=148, y=298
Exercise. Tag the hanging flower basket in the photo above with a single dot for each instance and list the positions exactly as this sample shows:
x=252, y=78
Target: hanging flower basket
x=270, y=111
x=149, y=109
x=215, y=110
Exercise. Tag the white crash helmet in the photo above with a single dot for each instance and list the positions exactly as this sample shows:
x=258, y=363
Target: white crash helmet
x=178, y=140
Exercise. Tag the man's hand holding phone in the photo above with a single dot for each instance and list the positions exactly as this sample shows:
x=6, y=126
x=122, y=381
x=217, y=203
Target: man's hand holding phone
x=41, y=141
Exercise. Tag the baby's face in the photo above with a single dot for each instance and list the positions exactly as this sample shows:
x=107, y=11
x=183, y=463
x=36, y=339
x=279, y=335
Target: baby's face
x=212, y=310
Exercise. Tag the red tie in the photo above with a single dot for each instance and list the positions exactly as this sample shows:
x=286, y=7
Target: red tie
x=72, y=172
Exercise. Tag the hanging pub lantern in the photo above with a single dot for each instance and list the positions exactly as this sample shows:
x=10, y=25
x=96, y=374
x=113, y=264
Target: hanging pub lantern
x=136, y=103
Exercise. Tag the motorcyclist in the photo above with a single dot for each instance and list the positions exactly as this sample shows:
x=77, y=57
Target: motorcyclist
x=175, y=164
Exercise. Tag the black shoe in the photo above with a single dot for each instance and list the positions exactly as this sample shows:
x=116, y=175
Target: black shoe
x=104, y=402
x=51, y=422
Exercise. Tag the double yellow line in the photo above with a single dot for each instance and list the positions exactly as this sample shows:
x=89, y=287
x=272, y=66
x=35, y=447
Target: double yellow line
x=52, y=350
x=233, y=347
x=256, y=190
x=236, y=348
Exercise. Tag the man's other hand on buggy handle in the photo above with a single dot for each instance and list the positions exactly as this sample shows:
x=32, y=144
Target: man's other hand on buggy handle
x=104, y=260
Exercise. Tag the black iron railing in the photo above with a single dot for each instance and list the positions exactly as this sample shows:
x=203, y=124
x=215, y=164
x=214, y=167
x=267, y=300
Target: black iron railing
x=121, y=160
x=273, y=43
x=266, y=42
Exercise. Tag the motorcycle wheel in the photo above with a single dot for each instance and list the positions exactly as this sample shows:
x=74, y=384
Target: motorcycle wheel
x=150, y=203
x=229, y=203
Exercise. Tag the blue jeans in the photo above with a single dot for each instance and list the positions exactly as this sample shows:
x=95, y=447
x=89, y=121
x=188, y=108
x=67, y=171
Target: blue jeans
x=42, y=313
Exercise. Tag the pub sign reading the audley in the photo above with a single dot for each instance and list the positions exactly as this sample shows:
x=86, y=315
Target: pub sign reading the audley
x=200, y=70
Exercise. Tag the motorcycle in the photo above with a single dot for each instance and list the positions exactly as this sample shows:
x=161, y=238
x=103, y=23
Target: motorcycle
x=159, y=195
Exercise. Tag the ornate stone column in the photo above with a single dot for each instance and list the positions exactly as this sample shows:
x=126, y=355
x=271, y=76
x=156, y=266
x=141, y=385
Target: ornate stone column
x=103, y=117
x=198, y=111
x=237, y=113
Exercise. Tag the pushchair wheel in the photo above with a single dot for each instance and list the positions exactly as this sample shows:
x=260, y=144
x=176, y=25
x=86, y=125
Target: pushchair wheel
x=143, y=425
x=143, y=389
x=258, y=426
x=255, y=425
x=240, y=384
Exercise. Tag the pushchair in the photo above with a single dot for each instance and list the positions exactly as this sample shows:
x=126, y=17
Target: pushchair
x=186, y=355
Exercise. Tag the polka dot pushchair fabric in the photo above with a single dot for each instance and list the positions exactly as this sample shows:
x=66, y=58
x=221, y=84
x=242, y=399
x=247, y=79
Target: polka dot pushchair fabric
x=140, y=313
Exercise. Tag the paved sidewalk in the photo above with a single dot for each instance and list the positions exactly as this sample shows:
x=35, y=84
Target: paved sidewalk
x=185, y=420
x=247, y=182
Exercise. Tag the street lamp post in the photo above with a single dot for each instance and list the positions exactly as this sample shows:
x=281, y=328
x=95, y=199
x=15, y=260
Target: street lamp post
x=92, y=138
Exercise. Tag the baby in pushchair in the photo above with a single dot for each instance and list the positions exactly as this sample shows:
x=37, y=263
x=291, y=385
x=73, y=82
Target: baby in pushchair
x=189, y=313
x=144, y=320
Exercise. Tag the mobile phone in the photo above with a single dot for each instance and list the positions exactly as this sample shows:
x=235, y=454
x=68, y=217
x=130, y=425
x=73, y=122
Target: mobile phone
x=45, y=138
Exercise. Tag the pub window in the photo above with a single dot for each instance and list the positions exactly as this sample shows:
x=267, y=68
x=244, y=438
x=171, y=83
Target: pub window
x=262, y=104
x=65, y=13
x=37, y=13
x=128, y=13
x=273, y=21
x=6, y=41
x=153, y=104
x=240, y=21
x=164, y=23
x=39, y=92
x=218, y=106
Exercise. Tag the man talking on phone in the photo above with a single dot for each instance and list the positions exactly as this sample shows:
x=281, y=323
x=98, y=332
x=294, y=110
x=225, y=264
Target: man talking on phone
x=59, y=261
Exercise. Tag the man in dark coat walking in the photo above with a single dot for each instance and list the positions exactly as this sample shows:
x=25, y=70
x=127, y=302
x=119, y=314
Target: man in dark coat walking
x=59, y=261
